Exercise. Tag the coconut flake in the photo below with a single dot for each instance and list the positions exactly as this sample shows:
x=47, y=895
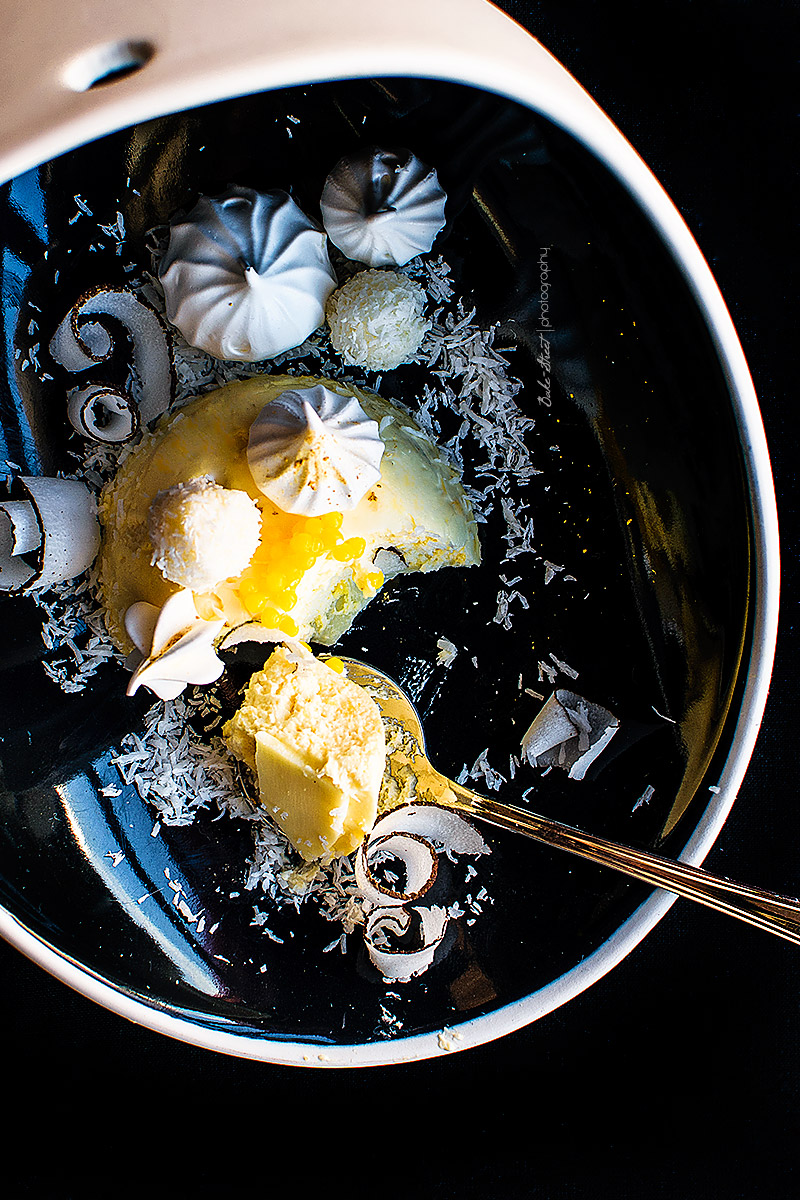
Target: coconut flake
x=411, y=833
x=440, y=826
x=19, y=535
x=568, y=732
x=419, y=860
x=103, y=413
x=446, y=652
x=81, y=342
x=252, y=631
x=403, y=963
x=56, y=524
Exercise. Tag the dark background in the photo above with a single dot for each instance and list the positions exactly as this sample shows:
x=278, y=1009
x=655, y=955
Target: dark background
x=677, y=1075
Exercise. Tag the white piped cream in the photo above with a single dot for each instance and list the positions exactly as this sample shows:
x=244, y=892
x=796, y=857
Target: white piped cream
x=177, y=646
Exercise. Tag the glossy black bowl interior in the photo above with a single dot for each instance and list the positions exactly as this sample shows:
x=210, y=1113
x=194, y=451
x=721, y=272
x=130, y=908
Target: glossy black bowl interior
x=642, y=498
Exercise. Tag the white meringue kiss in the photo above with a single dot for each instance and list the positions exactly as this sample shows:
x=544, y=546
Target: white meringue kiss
x=312, y=451
x=383, y=208
x=178, y=646
x=246, y=275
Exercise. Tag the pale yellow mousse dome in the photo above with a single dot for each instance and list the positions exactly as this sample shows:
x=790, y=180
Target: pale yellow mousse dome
x=315, y=742
x=309, y=576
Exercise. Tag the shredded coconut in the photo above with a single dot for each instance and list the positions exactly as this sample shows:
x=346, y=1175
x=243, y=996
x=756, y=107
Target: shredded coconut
x=174, y=769
x=446, y=652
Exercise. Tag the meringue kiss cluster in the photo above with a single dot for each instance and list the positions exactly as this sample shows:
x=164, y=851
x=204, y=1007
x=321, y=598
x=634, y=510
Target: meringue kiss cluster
x=247, y=276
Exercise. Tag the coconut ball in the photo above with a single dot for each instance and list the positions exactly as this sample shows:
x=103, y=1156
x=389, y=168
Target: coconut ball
x=203, y=533
x=377, y=319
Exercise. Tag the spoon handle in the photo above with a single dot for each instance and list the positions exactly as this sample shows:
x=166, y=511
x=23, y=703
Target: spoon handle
x=767, y=910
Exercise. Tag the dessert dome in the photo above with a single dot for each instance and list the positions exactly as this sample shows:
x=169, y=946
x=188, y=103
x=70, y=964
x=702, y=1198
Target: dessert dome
x=309, y=576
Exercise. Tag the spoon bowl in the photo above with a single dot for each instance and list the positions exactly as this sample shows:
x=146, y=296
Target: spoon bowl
x=769, y=911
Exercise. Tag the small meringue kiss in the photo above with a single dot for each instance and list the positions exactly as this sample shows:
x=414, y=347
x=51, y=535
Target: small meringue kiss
x=383, y=207
x=177, y=645
x=312, y=451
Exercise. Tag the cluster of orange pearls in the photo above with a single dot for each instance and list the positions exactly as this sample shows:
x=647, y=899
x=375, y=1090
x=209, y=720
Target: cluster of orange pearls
x=290, y=545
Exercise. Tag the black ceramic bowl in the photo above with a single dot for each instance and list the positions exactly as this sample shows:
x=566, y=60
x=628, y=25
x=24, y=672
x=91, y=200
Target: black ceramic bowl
x=654, y=501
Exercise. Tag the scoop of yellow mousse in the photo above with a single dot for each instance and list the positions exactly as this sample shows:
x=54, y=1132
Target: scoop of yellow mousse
x=315, y=742
x=309, y=577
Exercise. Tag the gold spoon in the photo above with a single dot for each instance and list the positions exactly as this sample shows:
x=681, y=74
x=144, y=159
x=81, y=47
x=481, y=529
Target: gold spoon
x=767, y=910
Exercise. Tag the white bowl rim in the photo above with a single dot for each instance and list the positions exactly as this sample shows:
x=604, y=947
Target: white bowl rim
x=500, y=58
